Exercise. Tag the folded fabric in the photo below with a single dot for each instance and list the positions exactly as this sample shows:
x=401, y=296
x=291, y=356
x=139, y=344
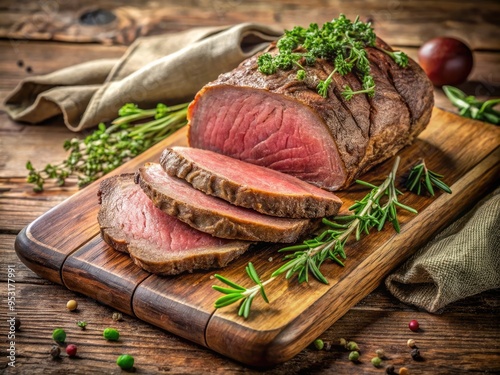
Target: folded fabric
x=462, y=260
x=165, y=68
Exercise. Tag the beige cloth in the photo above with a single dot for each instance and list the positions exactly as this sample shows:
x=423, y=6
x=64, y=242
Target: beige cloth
x=462, y=260
x=166, y=68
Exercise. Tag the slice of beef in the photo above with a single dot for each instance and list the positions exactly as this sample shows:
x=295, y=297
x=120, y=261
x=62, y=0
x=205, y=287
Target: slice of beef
x=282, y=123
x=157, y=242
x=213, y=215
x=248, y=185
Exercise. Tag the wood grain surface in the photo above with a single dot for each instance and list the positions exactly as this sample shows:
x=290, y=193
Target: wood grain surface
x=466, y=151
x=461, y=339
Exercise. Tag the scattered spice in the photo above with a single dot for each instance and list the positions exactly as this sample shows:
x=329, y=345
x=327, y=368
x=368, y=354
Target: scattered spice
x=404, y=371
x=29, y=69
x=125, y=361
x=376, y=361
x=413, y=325
x=55, y=351
x=353, y=356
x=411, y=343
x=380, y=353
x=82, y=324
x=415, y=354
x=71, y=350
x=20, y=63
x=351, y=345
x=59, y=335
x=328, y=346
x=111, y=334
x=319, y=344
x=117, y=317
x=72, y=305
x=343, y=342
x=389, y=370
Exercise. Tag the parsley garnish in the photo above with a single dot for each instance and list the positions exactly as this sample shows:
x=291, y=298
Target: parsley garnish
x=340, y=42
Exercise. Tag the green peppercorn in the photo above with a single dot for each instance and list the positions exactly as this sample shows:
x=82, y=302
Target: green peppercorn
x=376, y=361
x=111, y=334
x=82, y=324
x=342, y=342
x=353, y=356
x=59, y=335
x=319, y=344
x=351, y=345
x=125, y=361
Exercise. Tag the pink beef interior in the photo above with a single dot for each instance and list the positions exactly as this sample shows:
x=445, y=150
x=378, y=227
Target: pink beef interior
x=139, y=218
x=182, y=191
x=254, y=176
x=268, y=130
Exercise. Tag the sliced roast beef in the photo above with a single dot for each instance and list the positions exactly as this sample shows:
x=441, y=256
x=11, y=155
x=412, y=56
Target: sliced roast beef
x=248, y=185
x=282, y=123
x=213, y=215
x=157, y=242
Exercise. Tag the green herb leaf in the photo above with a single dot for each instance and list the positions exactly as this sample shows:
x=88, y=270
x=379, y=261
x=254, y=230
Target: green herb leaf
x=470, y=107
x=421, y=177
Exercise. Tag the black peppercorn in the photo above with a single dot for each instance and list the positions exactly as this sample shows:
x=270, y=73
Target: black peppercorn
x=389, y=370
x=55, y=351
x=29, y=69
x=20, y=63
x=415, y=354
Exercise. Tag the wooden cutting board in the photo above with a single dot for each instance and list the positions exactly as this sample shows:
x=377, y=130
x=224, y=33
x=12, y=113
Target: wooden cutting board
x=64, y=246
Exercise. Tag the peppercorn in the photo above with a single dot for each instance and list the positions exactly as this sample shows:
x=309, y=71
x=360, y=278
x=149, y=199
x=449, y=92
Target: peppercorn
x=351, y=345
x=328, y=346
x=72, y=305
x=20, y=63
x=117, y=317
x=415, y=354
x=413, y=325
x=111, y=334
x=389, y=370
x=342, y=342
x=404, y=371
x=319, y=344
x=376, y=361
x=59, y=335
x=82, y=324
x=411, y=343
x=71, y=350
x=380, y=353
x=29, y=69
x=353, y=356
x=125, y=361
x=55, y=351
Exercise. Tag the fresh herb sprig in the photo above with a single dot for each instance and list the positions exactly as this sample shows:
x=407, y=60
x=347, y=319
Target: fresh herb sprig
x=373, y=211
x=341, y=42
x=470, y=107
x=109, y=147
x=422, y=179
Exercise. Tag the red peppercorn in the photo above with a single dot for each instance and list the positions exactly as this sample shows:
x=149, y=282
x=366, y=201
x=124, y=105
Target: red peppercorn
x=413, y=325
x=71, y=350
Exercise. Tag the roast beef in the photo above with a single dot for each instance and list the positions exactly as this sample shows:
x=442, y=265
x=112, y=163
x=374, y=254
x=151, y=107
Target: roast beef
x=157, y=242
x=248, y=185
x=213, y=215
x=280, y=122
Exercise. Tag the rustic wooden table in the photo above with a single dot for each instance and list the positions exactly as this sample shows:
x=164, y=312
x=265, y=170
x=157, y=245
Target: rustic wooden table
x=48, y=35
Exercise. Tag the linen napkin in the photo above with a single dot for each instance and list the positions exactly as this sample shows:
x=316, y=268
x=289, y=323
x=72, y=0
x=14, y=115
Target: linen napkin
x=462, y=260
x=158, y=69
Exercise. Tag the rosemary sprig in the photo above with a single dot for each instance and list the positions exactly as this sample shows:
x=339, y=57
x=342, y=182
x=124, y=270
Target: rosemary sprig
x=421, y=179
x=373, y=211
x=109, y=147
x=470, y=107
x=340, y=41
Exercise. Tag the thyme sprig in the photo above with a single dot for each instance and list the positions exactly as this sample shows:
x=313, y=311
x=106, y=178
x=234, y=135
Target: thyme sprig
x=373, y=211
x=110, y=146
x=341, y=42
x=423, y=179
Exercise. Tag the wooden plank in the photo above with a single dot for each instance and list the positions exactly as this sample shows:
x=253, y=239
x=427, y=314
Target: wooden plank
x=407, y=23
x=277, y=332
